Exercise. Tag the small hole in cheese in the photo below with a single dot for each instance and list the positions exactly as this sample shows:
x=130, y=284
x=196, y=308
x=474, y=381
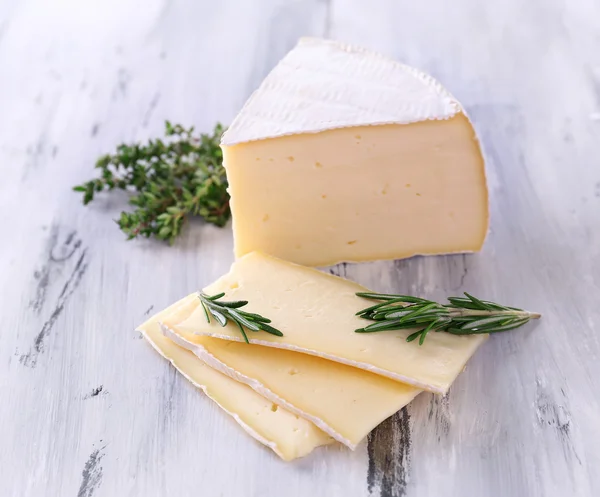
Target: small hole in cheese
x=291, y=159
x=234, y=285
x=357, y=137
x=274, y=407
x=318, y=164
x=293, y=372
x=351, y=242
x=418, y=194
x=258, y=158
x=323, y=197
x=407, y=185
x=265, y=217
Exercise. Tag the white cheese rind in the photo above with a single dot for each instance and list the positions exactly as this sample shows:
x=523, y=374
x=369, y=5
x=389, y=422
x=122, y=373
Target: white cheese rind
x=316, y=313
x=323, y=84
x=287, y=435
x=320, y=391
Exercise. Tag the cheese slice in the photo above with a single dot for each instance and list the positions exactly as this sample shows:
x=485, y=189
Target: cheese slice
x=316, y=313
x=344, y=155
x=288, y=435
x=322, y=391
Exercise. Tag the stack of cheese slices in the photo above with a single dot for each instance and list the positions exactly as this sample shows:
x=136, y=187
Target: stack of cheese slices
x=340, y=155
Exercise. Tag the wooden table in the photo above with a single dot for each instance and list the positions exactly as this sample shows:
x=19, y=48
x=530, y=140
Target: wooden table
x=88, y=409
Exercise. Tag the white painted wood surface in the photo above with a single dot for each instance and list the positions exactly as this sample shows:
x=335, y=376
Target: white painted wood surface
x=87, y=408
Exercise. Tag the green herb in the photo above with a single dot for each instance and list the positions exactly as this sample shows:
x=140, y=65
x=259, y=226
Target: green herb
x=463, y=316
x=173, y=179
x=223, y=312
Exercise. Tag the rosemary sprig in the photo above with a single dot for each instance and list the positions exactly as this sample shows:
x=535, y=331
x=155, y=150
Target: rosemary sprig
x=171, y=180
x=223, y=312
x=462, y=316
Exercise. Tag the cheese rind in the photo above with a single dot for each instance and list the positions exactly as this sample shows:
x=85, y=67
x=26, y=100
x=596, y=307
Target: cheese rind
x=321, y=391
x=324, y=84
x=345, y=155
x=285, y=433
x=316, y=313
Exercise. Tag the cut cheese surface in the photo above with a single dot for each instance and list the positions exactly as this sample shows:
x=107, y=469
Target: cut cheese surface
x=288, y=435
x=316, y=313
x=342, y=152
x=345, y=402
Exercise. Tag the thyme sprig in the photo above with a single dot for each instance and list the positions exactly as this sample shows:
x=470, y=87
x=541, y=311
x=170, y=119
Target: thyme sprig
x=462, y=316
x=171, y=180
x=223, y=312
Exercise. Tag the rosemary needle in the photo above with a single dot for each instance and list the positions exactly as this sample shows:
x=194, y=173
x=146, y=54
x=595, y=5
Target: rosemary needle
x=462, y=316
x=224, y=311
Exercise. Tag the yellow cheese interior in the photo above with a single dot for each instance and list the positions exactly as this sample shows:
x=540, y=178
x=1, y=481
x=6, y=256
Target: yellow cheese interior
x=350, y=402
x=316, y=313
x=360, y=193
x=287, y=434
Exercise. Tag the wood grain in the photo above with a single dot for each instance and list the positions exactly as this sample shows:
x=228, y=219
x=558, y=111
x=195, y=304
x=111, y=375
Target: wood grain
x=87, y=409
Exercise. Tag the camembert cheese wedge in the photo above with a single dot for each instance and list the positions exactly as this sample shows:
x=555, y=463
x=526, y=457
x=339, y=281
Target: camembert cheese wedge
x=344, y=402
x=316, y=313
x=345, y=155
x=288, y=435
